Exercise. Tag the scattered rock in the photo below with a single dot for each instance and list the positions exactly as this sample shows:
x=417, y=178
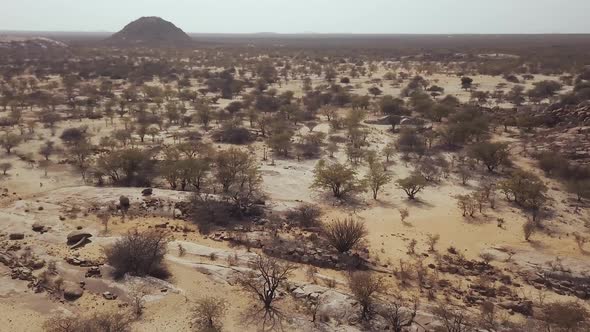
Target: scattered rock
x=93, y=272
x=16, y=236
x=524, y=308
x=77, y=236
x=21, y=273
x=38, y=227
x=72, y=291
x=37, y=264
x=177, y=213
x=109, y=296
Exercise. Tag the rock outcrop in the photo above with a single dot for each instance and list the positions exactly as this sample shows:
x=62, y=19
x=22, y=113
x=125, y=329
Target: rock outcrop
x=150, y=32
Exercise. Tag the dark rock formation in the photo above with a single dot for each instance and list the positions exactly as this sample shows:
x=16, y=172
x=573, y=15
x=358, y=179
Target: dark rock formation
x=150, y=32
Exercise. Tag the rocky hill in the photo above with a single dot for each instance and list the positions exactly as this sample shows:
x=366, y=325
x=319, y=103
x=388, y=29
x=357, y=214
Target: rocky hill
x=568, y=115
x=150, y=32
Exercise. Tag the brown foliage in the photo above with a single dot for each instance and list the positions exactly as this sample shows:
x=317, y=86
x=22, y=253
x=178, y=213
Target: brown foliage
x=139, y=253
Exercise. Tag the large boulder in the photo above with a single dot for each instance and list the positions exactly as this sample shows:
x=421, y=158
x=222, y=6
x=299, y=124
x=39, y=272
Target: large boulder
x=147, y=192
x=72, y=291
x=77, y=236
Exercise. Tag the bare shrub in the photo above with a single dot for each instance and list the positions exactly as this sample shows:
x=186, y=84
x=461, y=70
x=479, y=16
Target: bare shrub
x=208, y=314
x=404, y=214
x=529, y=229
x=137, y=295
x=487, y=257
x=311, y=272
x=400, y=313
x=344, y=234
x=233, y=260
x=403, y=272
x=181, y=250
x=432, y=241
x=453, y=319
x=412, y=247
x=364, y=286
x=139, y=253
x=490, y=318
x=62, y=323
x=467, y=204
x=99, y=322
x=580, y=240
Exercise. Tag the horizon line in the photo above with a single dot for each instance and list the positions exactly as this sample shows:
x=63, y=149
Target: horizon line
x=3, y=31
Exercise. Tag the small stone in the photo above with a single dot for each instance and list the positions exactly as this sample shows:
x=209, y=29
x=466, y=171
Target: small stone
x=38, y=227
x=16, y=236
x=109, y=296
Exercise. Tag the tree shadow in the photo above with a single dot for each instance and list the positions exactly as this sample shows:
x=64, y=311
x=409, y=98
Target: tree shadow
x=6, y=176
x=384, y=204
x=350, y=203
x=537, y=244
x=407, y=224
x=418, y=203
x=264, y=319
x=478, y=220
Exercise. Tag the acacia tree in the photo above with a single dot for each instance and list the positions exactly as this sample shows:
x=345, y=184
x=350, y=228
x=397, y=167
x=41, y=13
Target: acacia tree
x=338, y=178
x=231, y=165
x=47, y=149
x=9, y=141
x=377, y=177
x=579, y=187
x=413, y=184
x=127, y=166
x=526, y=190
x=5, y=167
x=490, y=154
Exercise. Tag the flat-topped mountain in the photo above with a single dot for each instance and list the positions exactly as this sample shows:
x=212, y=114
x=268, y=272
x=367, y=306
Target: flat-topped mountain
x=150, y=31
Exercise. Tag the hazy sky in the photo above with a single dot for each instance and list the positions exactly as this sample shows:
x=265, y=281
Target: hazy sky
x=293, y=16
